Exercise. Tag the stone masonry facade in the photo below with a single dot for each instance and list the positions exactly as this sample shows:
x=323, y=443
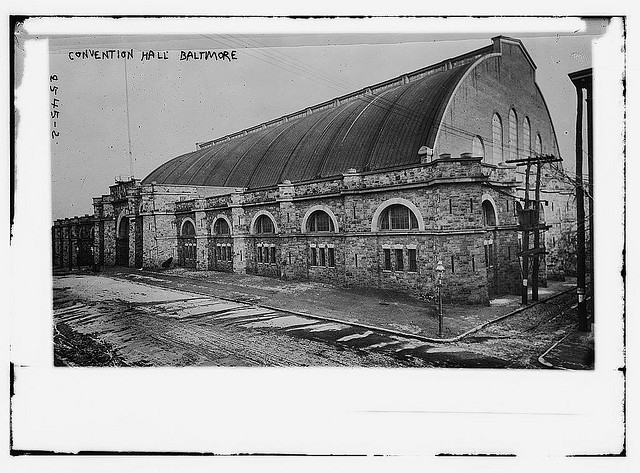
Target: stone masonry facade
x=386, y=229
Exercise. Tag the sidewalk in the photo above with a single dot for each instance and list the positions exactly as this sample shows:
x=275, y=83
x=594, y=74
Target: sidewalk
x=573, y=352
x=373, y=307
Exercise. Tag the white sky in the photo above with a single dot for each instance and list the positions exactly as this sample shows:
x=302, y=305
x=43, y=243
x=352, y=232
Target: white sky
x=173, y=104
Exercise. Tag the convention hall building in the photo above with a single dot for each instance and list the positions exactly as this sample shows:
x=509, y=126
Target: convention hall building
x=369, y=189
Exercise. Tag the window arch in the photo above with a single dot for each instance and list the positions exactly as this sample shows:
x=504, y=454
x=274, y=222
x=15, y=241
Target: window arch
x=320, y=221
x=398, y=217
x=513, y=134
x=221, y=226
x=477, y=147
x=526, y=136
x=489, y=211
x=188, y=229
x=496, y=127
x=382, y=213
x=488, y=214
x=264, y=224
x=538, y=144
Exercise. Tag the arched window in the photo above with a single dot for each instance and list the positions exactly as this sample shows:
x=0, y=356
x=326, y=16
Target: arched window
x=496, y=126
x=538, y=144
x=188, y=230
x=398, y=217
x=488, y=214
x=513, y=134
x=221, y=227
x=478, y=147
x=264, y=224
x=320, y=221
x=526, y=136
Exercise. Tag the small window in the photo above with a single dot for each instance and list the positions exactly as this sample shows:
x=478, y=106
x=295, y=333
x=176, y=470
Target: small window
x=331, y=256
x=320, y=221
x=266, y=254
x=273, y=254
x=221, y=227
x=259, y=254
x=322, y=261
x=488, y=255
x=399, y=260
x=413, y=263
x=398, y=217
x=387, y=259
x=264, y=224
x=488, y=214
x=314, y=256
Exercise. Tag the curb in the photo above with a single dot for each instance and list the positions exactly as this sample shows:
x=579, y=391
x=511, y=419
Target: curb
x=376, y=328
x=544, y=362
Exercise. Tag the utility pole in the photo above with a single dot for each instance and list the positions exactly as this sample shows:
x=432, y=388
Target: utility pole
x=536, y=235
x=525, y=242
x=529, y=220
x=581, y=266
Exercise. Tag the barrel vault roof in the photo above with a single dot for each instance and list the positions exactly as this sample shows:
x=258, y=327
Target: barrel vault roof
x=382, y=128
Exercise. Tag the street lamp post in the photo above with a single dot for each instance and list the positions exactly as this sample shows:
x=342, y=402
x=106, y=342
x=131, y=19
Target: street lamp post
x=439, y=275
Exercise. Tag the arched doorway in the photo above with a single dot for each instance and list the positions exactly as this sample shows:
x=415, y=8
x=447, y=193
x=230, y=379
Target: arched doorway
x=187, y=245
x=122, y=243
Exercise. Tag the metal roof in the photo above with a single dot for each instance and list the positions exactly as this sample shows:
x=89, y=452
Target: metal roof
x=372, y=131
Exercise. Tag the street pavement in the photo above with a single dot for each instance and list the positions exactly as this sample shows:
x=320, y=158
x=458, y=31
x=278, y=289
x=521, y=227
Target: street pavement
x=151, y=325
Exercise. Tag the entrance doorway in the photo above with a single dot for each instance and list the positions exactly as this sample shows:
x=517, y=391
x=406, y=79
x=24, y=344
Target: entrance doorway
x=187, y=245
x=122, y=243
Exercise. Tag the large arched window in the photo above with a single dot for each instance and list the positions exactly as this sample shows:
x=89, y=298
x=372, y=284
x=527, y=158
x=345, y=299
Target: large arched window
x=478, y=147
x=320, y=221
x=513, y=134
x=496, y=126
x=488, y=214
x=188, y=230
x=538, y=145
x=526, y=136
x=398, y=217
x=221, y=227
x=264, y=224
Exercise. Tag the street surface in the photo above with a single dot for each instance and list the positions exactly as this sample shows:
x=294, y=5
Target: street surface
x=109, y=321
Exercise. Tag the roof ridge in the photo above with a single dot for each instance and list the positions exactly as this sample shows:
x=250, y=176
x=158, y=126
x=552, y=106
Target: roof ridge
x=441, y=66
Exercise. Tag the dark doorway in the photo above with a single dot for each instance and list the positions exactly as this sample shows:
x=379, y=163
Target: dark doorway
x=122, y=243
x=187, y=245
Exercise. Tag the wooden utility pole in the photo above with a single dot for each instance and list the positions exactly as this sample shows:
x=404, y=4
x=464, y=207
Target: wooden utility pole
x=581, y=266
x=529, y=220
x=536, y=235
x=525, y=242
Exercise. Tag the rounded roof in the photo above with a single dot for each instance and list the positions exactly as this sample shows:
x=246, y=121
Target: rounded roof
x=375, y=131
